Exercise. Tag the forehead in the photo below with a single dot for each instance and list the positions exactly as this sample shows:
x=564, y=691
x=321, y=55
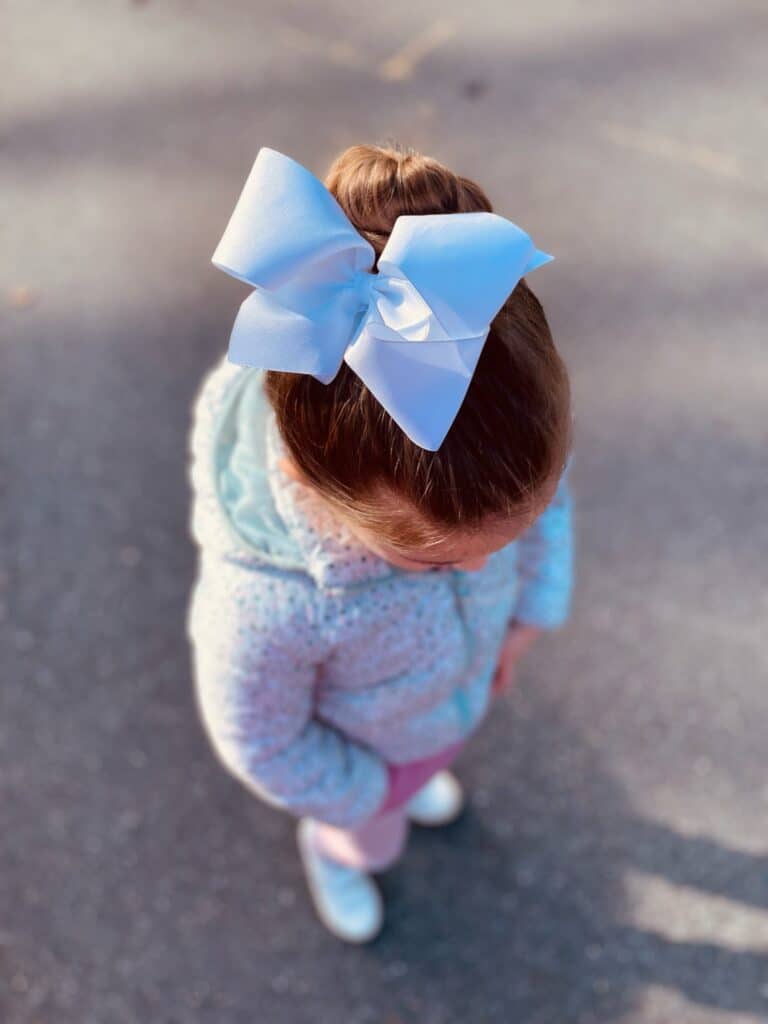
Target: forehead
x=451, y=545
x=467, y=544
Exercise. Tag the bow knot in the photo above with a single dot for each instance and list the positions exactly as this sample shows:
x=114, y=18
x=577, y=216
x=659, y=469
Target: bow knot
x=363, y=281
x=413, y=330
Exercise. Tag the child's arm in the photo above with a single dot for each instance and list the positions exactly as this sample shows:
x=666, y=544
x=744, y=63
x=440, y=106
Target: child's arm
x=256, y=667
x=546, y=563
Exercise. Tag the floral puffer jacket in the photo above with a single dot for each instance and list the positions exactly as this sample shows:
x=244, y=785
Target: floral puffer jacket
x=316, y=663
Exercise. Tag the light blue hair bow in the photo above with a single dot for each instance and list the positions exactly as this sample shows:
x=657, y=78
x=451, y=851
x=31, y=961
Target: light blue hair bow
x=413, y=331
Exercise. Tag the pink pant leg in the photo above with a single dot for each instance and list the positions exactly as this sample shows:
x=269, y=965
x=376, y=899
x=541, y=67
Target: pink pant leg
x=379, y=842
x=374, y=846
x=405, y=780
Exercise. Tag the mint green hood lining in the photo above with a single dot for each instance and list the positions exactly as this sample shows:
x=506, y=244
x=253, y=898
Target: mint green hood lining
x=240, y=474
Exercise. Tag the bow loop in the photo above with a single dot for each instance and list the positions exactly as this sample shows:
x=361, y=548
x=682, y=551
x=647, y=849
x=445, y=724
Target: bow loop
x=463, y=265
x=288, y=228
x=413, y=331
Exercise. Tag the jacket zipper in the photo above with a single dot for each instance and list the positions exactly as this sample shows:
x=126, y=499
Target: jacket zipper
x=459, y=693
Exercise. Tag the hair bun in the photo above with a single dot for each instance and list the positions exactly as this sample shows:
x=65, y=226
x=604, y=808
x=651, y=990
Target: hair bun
x=376, y=184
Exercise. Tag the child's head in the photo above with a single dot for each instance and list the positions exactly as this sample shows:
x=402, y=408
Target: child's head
x=501, y=460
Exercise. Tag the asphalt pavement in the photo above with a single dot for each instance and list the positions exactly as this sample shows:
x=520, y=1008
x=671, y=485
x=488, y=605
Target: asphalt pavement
x=613, y=866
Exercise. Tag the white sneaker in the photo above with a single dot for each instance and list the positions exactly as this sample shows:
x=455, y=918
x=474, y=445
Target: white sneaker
x=346, y=900
x=439, y=802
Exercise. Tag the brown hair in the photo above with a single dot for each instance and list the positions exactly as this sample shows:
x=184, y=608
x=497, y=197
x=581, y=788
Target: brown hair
x=511, y=435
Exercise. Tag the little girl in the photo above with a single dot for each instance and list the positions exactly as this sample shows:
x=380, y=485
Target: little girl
x=360, y=594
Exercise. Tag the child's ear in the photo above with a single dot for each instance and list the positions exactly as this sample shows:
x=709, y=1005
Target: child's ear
x=291, y=469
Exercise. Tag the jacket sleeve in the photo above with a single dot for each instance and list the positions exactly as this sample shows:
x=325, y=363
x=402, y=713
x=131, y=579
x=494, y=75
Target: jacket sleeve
x=256, y=659
x=545, y=563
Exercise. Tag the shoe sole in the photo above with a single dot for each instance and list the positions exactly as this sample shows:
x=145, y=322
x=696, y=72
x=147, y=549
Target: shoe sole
x=437, y=823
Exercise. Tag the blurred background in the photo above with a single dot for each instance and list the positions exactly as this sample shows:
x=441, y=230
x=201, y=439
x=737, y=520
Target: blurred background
x=614, y=865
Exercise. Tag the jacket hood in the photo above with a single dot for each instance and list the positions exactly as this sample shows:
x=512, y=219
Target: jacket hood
x=240, y=471
x=283, y=521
